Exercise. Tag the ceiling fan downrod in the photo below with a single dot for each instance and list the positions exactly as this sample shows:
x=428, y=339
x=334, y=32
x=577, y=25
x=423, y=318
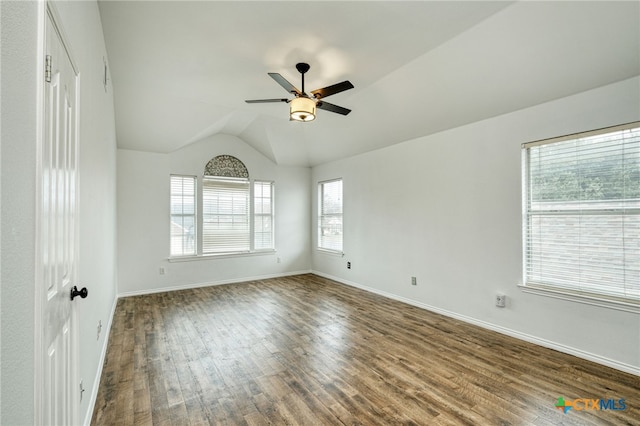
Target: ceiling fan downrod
x=302, y=69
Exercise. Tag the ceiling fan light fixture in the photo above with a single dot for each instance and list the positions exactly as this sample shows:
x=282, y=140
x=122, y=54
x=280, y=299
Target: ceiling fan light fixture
x=302, y=109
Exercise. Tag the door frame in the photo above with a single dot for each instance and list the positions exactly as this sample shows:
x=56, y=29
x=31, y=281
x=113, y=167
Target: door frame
x=47, y=11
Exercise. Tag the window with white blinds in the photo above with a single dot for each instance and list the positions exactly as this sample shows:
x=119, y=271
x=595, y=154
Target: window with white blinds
x=330, y=215
x=262, y=215
x=581, y=205
x=183, y=215
x=225, y=215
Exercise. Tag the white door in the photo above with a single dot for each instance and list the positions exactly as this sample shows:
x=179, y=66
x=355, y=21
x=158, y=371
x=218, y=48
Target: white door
x=58, y=231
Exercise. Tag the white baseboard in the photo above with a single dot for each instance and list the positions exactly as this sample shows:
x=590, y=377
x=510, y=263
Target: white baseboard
x=627, y=368
x=103, y=355
x=209, y=283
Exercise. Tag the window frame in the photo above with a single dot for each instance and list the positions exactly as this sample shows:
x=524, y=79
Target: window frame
x=321, y=214
x=194, y=214
x=579, y=291
x=199, y=213
x=271, y=215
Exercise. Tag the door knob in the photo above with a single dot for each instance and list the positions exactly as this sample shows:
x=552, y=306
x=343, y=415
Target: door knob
x=82, y=293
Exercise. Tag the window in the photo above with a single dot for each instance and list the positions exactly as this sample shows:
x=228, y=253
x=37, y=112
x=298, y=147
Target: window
x=236, y=213
x=263, y=215
x=581, y=205
x=225, y=215
x=183, y=215
x=330, y=215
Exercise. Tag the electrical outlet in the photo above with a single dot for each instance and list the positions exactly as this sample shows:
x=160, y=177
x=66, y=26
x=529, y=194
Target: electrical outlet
x=99, y=329
x=501, y=300
x=81, y=389
x=162, y=271
x=348, y=265
x=278, y=260
x=414, y=281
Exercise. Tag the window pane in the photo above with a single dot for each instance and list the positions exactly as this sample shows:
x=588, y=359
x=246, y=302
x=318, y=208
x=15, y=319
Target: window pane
x=263, y=215
x=225, y=215
x=330, y=217
x=183, y=216
x=583, y=214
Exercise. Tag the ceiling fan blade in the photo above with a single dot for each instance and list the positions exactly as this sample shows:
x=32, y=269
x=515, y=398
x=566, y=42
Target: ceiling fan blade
x=332, y=90
x=262, y=101
x=333, y=108
x=284, y=83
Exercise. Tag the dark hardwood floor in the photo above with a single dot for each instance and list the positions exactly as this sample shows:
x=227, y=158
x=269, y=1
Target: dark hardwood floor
x=306, y=350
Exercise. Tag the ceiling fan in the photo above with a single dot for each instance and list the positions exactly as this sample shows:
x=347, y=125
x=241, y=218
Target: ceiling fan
x=303, y=107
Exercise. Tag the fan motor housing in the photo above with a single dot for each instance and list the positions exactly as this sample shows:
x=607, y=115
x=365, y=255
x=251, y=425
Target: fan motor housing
x=302, y=67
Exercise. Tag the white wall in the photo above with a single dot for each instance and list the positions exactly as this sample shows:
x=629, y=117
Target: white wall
x=19, y=109
x=143, y=218
x=20, y=25
x=447, y=209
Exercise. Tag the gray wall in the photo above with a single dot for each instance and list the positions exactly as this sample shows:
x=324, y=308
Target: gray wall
x=446, y=209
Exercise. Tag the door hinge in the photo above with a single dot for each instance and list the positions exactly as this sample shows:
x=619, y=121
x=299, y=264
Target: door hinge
x=47, y=69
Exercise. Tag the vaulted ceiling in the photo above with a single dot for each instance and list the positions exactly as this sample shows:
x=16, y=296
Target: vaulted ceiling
x=181, y=70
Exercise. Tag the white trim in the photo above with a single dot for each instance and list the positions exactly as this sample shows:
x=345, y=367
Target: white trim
x=210, y=283
x=195, y=213
x=103, y=354
x=55, y=19
x=321, y=182
x=627, y=368
x=272, y=214
x=587, y=299
x=581, y=135
x=330, y=252
x=38, y=335
x=320, y=206
x=76, y=403
x=211, y=256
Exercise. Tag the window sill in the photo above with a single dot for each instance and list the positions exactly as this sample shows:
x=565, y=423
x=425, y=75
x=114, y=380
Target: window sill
x=220, y=256
x=330, y=252
x=588, y=299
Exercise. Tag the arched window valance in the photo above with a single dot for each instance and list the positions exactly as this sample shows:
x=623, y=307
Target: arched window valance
x=226, y=166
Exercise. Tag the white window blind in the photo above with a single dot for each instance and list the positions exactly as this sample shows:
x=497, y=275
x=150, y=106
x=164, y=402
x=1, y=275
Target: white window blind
x=262, y=215
x=330, y=215
x=225, y=215
x=582, y=213
x=183, y=215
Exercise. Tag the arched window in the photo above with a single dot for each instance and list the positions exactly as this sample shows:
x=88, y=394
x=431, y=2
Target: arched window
x=226, y=166
x=231, y=221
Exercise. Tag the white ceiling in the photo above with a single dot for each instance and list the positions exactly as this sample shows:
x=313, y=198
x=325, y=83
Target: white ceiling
x=182, y=70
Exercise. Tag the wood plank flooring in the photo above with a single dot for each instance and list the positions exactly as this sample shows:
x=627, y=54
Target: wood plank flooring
x=304, y=350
